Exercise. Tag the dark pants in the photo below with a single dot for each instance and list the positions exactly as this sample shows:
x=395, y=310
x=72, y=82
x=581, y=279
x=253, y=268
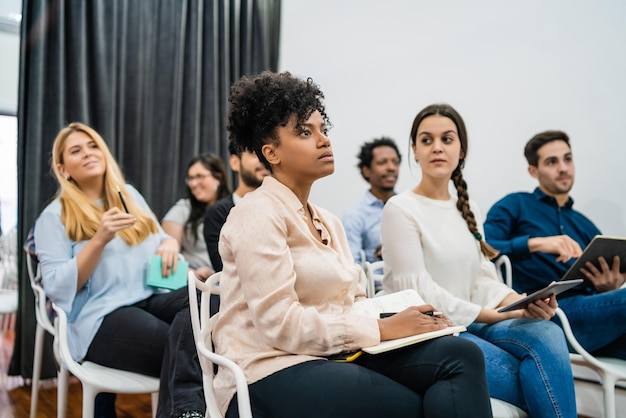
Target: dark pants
x=154, y=337
x=444, y=377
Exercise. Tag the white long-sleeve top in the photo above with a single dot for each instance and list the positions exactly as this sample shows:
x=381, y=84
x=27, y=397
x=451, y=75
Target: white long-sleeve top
x=428, y=247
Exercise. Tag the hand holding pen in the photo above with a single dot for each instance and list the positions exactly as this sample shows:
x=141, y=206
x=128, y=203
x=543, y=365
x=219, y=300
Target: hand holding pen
x=119, y=192
x=411, y=321
x=113, y=221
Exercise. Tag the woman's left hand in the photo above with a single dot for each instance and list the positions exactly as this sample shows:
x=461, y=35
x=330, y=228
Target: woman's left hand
x=168, y=250
x=542, y=308
x=203, y=273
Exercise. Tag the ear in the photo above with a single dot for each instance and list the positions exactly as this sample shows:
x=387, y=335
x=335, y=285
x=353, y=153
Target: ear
x=365, y=171
x=270, y=154
x=532, y=170
x=61, y=170
x=235, y=163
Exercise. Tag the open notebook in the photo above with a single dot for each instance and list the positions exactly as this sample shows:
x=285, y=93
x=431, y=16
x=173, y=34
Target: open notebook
x=396, y=302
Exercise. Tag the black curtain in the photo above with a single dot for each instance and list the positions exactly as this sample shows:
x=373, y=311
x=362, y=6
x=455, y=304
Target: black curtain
x=151, y=76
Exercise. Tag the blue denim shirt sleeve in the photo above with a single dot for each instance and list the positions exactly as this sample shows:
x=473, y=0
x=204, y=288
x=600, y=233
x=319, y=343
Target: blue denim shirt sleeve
x=362, y=225
x=352, y=223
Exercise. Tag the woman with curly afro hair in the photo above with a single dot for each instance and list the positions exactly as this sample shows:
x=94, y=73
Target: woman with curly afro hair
x=289, y=282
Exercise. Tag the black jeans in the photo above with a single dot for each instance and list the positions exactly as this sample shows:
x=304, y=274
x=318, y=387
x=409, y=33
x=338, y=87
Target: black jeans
x=154, y=337
x=444, y=377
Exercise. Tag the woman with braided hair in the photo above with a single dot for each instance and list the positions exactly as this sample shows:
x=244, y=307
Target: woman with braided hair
x=289, y=282
x=433, y=242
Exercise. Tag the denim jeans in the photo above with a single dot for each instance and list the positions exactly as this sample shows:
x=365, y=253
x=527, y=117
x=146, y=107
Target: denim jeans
x=598, y=321
x=154, y=337
x=527, y=364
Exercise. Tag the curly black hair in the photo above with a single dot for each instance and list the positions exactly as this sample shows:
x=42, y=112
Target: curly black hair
x=366, y=153
x=259, y=104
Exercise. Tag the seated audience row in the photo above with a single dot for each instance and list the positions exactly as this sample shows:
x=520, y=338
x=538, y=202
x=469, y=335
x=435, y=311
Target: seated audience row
x=290, y=279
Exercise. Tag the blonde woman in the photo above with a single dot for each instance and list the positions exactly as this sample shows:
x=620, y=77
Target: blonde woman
x=93, y=248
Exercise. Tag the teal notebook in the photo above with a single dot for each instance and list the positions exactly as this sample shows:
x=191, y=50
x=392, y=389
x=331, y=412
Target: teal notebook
x=173, y=282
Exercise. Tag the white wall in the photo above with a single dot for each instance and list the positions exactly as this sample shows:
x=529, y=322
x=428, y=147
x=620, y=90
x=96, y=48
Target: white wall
x=511, y=68
x=9, y=53
x=9, y=56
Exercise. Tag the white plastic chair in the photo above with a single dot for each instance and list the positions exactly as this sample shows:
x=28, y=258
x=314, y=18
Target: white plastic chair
x=43, y=325
x=611, y=370
x=503, y=267
x=501, y=409
x=202, y=325
x=371, y=270
x=96, y=378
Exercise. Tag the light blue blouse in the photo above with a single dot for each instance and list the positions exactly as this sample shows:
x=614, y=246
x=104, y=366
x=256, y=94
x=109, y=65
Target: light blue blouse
x=118, y=279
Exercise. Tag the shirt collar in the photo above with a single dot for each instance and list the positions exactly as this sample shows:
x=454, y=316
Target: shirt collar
x=541, y=196
x=290, y=200
x=372, y=200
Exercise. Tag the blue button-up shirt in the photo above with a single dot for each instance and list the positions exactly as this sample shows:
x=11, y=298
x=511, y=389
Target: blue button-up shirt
x=362, y=224
x=520, y=216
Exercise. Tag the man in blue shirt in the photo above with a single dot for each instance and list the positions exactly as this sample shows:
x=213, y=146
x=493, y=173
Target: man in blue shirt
x=542, y=235
x=379, y=164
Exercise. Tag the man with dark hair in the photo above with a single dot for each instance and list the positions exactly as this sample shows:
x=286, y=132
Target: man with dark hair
x=542, y=235
x=379, y=164
x=250, y=172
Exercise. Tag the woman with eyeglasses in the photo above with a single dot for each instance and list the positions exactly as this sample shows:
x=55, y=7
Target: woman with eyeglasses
x=206, y=184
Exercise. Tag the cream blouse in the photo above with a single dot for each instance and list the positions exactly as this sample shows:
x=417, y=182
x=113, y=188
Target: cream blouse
x=285, y=296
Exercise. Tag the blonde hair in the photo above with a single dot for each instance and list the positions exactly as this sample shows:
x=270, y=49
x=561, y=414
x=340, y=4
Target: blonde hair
x=80, y=215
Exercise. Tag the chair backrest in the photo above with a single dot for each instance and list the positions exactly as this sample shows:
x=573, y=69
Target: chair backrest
x=43, y=307
x=202, y=324
x=571, y=338
x=503, y=267
x=372, y=271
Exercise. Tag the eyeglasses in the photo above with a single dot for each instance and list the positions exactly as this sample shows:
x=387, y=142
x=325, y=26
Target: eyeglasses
x=197, y=177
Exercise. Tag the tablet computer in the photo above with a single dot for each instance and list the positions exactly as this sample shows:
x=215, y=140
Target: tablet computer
x=553, y=288
x=600, y=246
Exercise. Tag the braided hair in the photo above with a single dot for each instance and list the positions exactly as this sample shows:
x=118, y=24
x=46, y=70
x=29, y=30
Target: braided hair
x=462, y=203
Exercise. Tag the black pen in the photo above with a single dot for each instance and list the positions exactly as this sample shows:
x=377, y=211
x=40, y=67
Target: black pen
x=119, y=192
x=429, y=313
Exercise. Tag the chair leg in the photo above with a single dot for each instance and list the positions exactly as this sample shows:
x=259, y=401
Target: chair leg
x=608, y=387
x=89, y=400
x=62, y=388
x=37, y=354
x=154, y=397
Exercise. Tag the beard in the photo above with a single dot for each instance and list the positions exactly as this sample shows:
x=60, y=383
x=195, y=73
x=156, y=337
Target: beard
x=249, y=178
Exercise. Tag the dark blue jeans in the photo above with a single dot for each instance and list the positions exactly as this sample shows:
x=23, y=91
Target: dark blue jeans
x=598, y=321
x=154, y=337
x=444, y=377
x=527, y=365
